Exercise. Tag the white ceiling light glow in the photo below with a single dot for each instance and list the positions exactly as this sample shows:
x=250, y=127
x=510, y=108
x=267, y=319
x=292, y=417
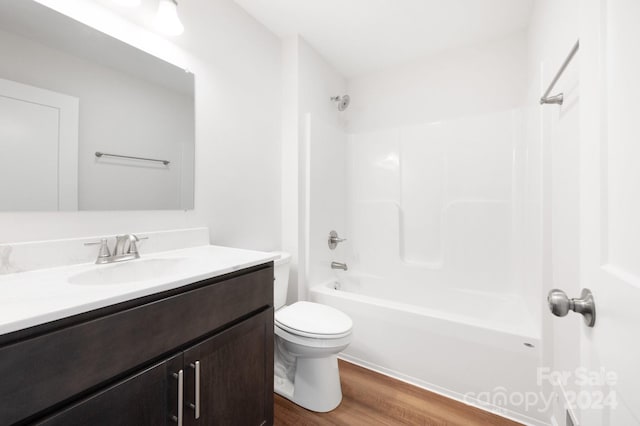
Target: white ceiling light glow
x=167, y=20
x=128, y=3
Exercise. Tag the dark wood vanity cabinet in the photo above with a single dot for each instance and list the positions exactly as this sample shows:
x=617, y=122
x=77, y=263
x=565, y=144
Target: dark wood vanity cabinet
x=230, y=395
x=202, y=355
x=146, y=398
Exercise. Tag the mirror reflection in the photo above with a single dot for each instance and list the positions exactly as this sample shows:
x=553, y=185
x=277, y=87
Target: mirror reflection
x=88, y=122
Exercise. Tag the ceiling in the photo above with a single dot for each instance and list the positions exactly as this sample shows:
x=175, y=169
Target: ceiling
x=361, y=36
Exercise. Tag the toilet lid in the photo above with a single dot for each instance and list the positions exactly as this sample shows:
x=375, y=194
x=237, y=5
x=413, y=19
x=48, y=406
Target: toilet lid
x=313, y=318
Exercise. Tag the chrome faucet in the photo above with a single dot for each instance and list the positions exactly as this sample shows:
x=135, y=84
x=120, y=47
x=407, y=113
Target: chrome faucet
x=339, y=265
x=121, y=243
x=126, y=248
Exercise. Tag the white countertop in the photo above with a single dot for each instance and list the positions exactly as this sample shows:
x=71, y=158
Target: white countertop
x=32, y=298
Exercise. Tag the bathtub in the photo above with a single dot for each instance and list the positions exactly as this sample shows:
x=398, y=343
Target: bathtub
x=479, y=348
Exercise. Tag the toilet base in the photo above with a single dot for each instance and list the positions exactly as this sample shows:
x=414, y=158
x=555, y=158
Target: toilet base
x=316, y=385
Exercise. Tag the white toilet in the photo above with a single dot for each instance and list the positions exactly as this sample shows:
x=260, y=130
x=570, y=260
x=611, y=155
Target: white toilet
x=308, y=337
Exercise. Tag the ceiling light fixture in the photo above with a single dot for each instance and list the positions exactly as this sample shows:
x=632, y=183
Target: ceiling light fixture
x=167, y=20
x=128, y=3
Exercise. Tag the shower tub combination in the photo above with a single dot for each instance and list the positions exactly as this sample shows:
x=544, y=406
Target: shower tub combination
x=437, y=287
x=473, y=347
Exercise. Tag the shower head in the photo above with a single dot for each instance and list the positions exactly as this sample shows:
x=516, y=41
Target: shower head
x=343, y=101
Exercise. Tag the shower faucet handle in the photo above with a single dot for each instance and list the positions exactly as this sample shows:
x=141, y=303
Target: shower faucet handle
x=334, y=240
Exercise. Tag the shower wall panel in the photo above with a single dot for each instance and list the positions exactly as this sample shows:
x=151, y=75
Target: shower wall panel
x=434, y=204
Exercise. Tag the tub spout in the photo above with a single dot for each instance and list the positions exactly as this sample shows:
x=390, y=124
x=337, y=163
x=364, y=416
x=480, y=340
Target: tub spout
x=338, y=265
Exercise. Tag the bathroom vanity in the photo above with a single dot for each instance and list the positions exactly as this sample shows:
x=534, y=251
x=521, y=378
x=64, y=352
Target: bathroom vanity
x=198, y=353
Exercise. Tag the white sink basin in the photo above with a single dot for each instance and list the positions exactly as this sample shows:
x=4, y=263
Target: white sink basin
x=128, y=272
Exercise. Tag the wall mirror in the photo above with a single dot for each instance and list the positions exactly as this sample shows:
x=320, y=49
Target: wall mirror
x=88, y=122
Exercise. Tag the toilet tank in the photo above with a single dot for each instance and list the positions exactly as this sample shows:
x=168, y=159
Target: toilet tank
x=281, y=283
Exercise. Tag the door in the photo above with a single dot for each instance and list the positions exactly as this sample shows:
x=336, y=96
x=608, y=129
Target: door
x=599, y=367
x=149, y=398
x=610, y=208
x=38, y=149
x=229, y=377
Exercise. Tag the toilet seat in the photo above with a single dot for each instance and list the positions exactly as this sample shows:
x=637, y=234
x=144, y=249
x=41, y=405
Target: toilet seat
x=313, y=320
x=320, y=344
x=306, y=335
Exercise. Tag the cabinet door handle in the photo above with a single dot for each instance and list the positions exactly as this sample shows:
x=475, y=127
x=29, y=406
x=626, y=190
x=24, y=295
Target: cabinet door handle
x=196, y=406
x=180, y=377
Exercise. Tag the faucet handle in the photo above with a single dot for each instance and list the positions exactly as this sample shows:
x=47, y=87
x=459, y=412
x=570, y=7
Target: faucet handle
x=334, y=240
x=133, y=243
x=104, y=247
x=133, y=246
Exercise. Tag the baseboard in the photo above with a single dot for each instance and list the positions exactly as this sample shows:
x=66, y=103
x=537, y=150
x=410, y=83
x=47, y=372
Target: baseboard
x=498, y=411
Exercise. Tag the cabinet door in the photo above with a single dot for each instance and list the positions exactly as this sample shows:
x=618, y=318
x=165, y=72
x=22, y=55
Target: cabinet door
x=149, y=398
x=236, y=375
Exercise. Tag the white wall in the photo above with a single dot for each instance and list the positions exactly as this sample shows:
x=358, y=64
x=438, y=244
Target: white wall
x=292, y=185
x=238, y=96
x=474, y=80
x=325, y=153
x=313, y=134
x=152, y=121
x=326, y=144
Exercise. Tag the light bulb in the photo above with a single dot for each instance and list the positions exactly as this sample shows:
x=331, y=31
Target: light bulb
x=128, y=3
x=167, y=20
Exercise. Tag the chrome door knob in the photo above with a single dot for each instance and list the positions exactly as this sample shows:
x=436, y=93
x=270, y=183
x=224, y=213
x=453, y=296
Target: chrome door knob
x=560, y=305
x=559, y=302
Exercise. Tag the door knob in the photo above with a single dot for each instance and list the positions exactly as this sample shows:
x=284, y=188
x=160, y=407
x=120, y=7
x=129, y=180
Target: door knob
x=560, y=305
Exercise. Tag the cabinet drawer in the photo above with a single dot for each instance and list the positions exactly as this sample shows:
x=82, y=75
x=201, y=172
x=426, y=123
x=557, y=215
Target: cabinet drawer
x=43, y=371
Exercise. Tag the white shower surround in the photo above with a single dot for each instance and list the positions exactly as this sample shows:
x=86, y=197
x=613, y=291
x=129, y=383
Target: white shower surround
x=434, y=220
x=434, y=226
x=430, y=182
x=438, y=204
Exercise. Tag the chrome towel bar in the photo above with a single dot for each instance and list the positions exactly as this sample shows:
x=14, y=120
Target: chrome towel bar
x=104, y=154
x=559, y=98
